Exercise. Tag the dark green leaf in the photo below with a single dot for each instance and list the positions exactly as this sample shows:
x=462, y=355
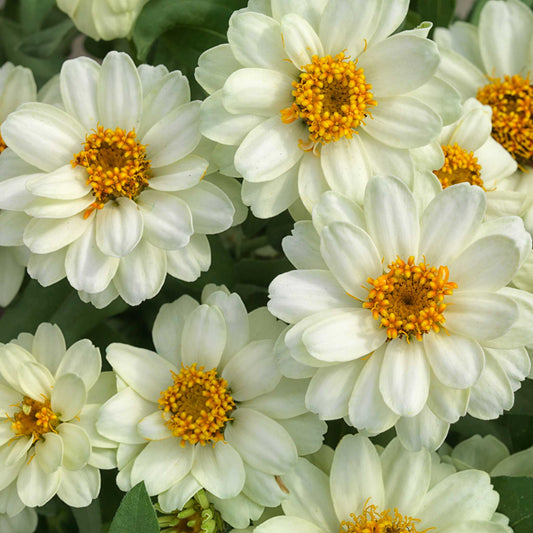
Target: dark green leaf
x=516, y=501
x=135, y=513
x=260, y=272
x=47, y=42
x=33, y=13
x=88, y=519
x=440, y=12
x=523, y=399
x=199, y=17
x=468, y=426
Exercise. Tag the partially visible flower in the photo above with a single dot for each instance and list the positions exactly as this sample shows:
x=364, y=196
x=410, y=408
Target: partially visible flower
x=491, y=455
x=50, y=397
x=16, y=87
x=209, y=410
x=23, y=522
x=493, y=63
x=401, y=317
x=304, y=93
x=103, y=19
x=397, y=490
x=117, y=198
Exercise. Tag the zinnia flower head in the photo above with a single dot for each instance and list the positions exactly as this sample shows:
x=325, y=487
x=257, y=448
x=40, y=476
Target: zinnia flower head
x=397, y=490
x=209, y=410
x=403, y=318
x=305, y=92
x=50, y=396
x=116, y=197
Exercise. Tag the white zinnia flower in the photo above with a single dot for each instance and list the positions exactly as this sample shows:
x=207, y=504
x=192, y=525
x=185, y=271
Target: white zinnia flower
x=49, y=400
x=397, y=490
x=23, y=522
x=117, y=199
x=16, y=87
x=491, y=455
x=305, y=92
x=103, y=19
x=493, y=62
x=403, y=318
x=209, y=410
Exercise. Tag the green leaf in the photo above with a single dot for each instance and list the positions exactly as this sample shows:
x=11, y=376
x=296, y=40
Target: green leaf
x=523, y=399
x=475, y=12
x=33, y=12
x=47, y=42
x=516, y=501
x=59, y=304
x=88, y=519
x=135, y=513
x=440, y=12
x=260, y=271
x=199, y=18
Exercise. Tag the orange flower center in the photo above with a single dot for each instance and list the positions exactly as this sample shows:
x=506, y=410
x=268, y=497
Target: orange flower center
x=409, y=298
x=34, y=418
x=116, y=164
x=511, y=101
x=332, y=97
x=459, y=166
x=197, y=405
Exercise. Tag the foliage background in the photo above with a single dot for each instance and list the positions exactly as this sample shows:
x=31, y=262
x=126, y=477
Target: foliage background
x=35, y=34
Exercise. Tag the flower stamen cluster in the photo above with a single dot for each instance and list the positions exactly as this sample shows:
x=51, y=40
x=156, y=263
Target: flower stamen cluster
x=116, y=164
x=197, y=405
x=511, y=101
x=34, y=418
x=408, y=299
x=459, y=166
x=332, y=97
x=3, y=145
x=370, y=521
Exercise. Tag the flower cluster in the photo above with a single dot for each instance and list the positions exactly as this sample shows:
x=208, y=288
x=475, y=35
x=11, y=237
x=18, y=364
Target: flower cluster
x=398, y=168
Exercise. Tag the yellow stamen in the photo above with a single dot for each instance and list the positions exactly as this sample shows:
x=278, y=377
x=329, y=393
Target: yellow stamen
x=3, y=145
x=332, y=97
x=34, y=418
x=459, y=166
x=370, y=521
x=116, y=164
x=511, y=101
x=196, y=407
x=408, y=299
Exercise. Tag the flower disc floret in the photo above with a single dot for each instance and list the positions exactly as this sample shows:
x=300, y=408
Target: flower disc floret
x=409, y=298
x=3, y=145
x=511, y=101
x=197, y=405
x=116, y=164
x=372, y=521
x=459, y=166
x=34, y=418
x=332, y=97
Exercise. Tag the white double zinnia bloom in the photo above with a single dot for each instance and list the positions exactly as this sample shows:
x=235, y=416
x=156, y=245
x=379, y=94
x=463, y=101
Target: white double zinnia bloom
x=103, y=19
x=398, y=490
x=494, y=62
x=49, y=399
x=313, y=78
x=16, y=87
x=402, y=317
x=218, y=360
x=110, y=180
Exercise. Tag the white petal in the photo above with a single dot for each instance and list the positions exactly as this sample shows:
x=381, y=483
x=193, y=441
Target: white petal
x=35, y=487
x=425, y=430
x=335, y=207
x=49, y=346
x=456, y=361
x=179, y=494
x=182, y=174
x=168, y=223
x=270, y=149
x=143, y=370
x=49, y=452
x=302, y=247
x=153, y=427
x=404, y=377
x=45, y=235
x=119, y=92
x=77, y=446
x=79, y=487
x=82, y=359
x=204, y=337
x=68, y=396
x=141, y=274
x=78, y=83
x=300, y=40
x=307, y=432
x=189, y=262
x=219, y=469
x=35, y=380
x=446, y=403
x=64, y=183
x=214, y=66
x=48, y=269
x=288, y=524
x=391, y=218
x=261, y=442
x=13, y=192
x=51, y=208
x=355, y=453
x=311, y=181
x=43, y=135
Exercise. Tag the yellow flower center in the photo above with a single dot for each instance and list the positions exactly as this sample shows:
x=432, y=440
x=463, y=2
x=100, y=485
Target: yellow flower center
x=409, y=298
x=3, y=145
x=511, y=101
x=459, y=166
x=34, y=418
x=116, y=164
x=370, y=521
x=332, y=97
x=197, y=405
